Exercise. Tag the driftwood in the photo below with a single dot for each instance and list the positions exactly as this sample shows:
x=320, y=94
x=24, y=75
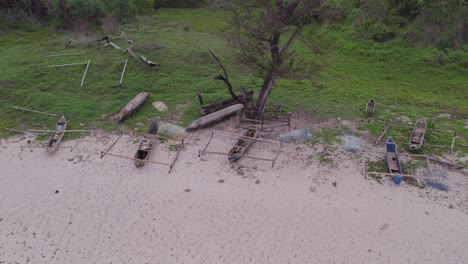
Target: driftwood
x=148, y=62
x=131, y=107
x=131, y=52
x=214, y=117
x=79, y=43
x=216, y=106
x=112, y=44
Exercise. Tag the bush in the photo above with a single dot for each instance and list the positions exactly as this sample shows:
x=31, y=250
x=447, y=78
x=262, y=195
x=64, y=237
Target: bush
x=177, y=3
x=376, y=30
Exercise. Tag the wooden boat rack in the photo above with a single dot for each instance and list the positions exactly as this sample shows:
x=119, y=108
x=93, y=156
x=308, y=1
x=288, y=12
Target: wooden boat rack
x=267, y=120
x=273, y=160
x=171, y=165
x=426, y=157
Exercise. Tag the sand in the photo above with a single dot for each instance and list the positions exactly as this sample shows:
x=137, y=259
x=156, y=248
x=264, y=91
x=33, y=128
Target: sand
x=73, y=207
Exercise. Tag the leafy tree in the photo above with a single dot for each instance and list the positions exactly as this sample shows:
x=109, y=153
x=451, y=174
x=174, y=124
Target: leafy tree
x=264, y=32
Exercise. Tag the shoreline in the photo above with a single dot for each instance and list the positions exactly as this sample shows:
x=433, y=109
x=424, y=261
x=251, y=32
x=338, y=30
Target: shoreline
x=73, y=207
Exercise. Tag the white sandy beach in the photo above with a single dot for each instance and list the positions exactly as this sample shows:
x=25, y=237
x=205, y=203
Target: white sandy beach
x=73, y=207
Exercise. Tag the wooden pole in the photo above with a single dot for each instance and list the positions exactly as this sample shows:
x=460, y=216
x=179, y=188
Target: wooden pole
x=84, y=75
x=146, y=161
x=364, y=169
x=383, y=134
x=104, y=153
x=30, y=110
x=59, y=55
x=242, y=137
x=203, y=151
x=453, y=141
x=402, y=175
x=177, y=155
x=52, y=131
x=249, y=157
x=14, y=130
x=277, y=154
x=69, y=64
x=123, y=71
x=418, y=155
x=448, y=163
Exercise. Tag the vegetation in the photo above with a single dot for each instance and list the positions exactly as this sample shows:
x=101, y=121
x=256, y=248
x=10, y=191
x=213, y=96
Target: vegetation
x=340, y=69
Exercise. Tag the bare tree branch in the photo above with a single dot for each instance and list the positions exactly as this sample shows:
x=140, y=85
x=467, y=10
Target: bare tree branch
x=290, y=40
x=225, y=79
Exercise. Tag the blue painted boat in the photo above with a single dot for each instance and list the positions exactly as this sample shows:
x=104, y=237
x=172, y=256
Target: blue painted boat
x=393, y=161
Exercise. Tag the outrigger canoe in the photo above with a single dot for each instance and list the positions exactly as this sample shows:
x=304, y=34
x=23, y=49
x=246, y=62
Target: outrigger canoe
x=417, y=136
x=56, y=138
x=211, y=108
x=393, y=161
x=147, y=143
x=241, y=146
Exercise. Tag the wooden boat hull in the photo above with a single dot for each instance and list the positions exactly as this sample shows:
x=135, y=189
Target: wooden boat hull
x=370, y=107
x=215, y=117
x=417, y=136
x=147, y=144
x=393, y=161
x=242, y=145
x=211, y=108
x=131, y=107
x=56, y=138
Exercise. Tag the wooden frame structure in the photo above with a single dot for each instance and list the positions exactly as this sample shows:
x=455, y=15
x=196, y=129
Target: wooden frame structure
x=450, y=148
x=273, y=161
x=171, y=165
x=279, y=119
x=427, y=158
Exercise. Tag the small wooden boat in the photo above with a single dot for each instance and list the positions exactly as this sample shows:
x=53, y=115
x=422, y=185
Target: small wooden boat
x=417, y=136
x=241, y=146
x=211, y=108
x=147, y=143
x=370, y=107
x=393, y=161
x=56, y=138
x=215, y=117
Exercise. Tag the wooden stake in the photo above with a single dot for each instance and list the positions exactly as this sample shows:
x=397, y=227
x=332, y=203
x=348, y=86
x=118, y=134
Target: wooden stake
x=203, y=151
x=277, y=154
x=383, y=134
x=177, y=155
x=200, y=99
x=123, y=71
x=84, y=75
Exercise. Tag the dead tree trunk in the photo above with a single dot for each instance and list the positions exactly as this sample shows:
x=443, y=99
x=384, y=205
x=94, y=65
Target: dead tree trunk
x=225, y=79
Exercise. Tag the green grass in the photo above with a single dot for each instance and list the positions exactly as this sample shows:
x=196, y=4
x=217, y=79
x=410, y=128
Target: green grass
x=411, y=82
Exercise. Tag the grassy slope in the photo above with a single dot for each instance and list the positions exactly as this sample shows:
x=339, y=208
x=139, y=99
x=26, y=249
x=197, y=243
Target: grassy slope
x=404, y=81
